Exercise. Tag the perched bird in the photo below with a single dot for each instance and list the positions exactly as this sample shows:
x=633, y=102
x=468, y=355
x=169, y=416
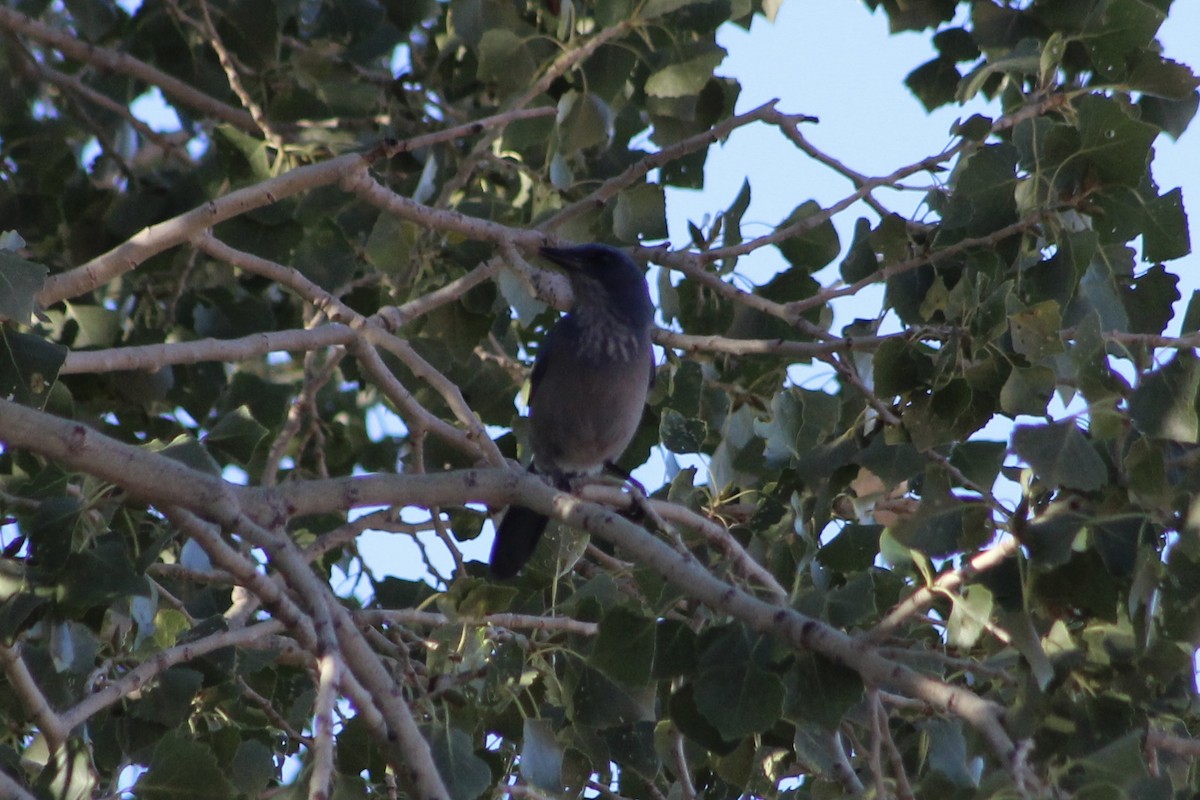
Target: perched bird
x=588, y=387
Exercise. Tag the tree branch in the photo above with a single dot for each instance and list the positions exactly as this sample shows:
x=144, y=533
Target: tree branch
x=51, y=724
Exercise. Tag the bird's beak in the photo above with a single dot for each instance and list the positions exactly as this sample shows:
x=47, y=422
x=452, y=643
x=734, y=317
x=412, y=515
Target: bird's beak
x=566, y=257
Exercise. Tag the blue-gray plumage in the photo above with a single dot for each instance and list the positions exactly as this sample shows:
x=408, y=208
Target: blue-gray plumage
x=588, y=386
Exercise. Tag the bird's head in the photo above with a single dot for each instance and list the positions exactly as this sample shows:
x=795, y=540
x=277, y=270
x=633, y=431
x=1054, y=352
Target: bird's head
x=603, y=277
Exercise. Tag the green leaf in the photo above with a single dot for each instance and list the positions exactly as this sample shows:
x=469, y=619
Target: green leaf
x=860, y=260
x=1118, y=28
x=853, y=549
x=1149, y=301
x=934, y=83
x=1027, y=391
x=686, y=78
x=1051, y=537
x=969, y=617
x=947, y=749
x=1115, y=145
x=1162, y=77
x=600, y=702
x=1035, y=330
x=901, y=366
x=1172, y=116
x=29, y=367
x=680, y=434
x=824, y=691
x=20, y=281
x=68, y=773
x=94, y=19
x=1191, y=315
x=169, y=703
x=1166, y=234
x=800, y=419
x=390, y=246
x=624, y=649
x=184, y=767
x=357, y=750
x=188, y=451
x=1116, y=542
x=942, y=523
x=73, y=647
x=641, y=213
x=731, y=224
x=98, y=326
x=1060, y=455
x=984, y=182
x=1023, y=59
x=584, y=121
x=674, y=649
x=1164, y=404
x=813, y=246
x=252, y=767
x=465, y=774
x=101, y=575
x=686, y=716
x=236, y=435
x=733, y=691
x=541, y=756
x=505, y=59
x=980, y=461
x=892, y=463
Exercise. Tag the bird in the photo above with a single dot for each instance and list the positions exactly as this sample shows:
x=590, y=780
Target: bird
x=588, y=387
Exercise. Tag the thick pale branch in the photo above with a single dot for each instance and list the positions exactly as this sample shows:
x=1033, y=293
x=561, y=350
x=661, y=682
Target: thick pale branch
x=408, y=616
x=328, y=679
x=154, y=356
x=144, y=474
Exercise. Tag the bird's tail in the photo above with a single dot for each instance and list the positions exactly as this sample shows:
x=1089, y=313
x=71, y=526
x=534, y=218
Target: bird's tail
x=516, y=537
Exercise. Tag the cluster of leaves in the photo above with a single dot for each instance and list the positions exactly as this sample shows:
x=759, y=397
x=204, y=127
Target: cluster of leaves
x=1022, y=284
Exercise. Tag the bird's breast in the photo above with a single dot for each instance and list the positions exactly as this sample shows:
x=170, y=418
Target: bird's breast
x=585, y=413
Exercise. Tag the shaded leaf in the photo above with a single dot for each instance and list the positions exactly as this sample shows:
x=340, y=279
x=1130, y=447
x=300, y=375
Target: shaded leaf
x=686, y=78
x=815, y=245
x=1060, y=454
x=1164, y=403
x=29, y=367
x=20, y=281
x=465, y=774
x=184, y=767
x=640, y=213
x=624, y=649
x=541, y=756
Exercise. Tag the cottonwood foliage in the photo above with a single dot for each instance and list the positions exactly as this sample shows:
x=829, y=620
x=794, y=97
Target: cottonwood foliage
x=859, y=592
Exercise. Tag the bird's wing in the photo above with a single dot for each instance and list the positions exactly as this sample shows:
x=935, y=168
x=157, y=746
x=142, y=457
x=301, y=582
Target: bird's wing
x=550, y=345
